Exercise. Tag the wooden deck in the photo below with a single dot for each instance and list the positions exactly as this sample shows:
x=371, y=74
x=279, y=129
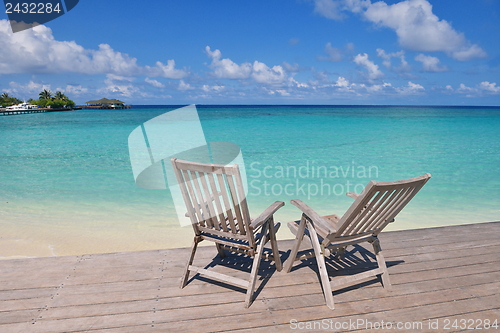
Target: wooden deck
x=438, y=274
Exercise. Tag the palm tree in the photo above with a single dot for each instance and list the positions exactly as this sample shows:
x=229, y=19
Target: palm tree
x=5, y=96
x=60, y=95
x=45, y=94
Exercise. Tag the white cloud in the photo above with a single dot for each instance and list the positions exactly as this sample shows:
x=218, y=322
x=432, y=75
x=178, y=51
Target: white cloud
x=373, y=72
x=333, y=54
x=167, y=71
x=464, y=89
x=291, y=68
x=403, y=67
x=32, y=88
x=410, y=89
x=36, y=51
x=294, y=83
x=154, y=83
x=263, y=74
x=184, y=86
x=484, y=87
x=489, y=87
x=283, y=92
x=342, y=82
x=226, y=68
x=260, y=72
x=431, y=64
x=119, y=85
x=208, y=88
x=417, y=27
x=73, y=90
x=329, y=9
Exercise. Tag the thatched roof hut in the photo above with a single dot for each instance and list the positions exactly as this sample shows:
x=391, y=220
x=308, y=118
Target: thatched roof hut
x=105, y=101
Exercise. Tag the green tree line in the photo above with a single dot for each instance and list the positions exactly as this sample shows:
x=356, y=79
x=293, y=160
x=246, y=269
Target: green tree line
x=56, y=101
x=7, y=100
x=45, y=99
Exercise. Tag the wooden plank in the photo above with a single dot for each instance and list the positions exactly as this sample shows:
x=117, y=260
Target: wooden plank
x=137, y=292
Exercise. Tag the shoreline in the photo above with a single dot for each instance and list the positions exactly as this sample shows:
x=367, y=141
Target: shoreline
x=22, y=240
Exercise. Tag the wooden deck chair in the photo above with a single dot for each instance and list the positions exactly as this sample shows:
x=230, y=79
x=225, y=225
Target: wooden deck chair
x=372, y=210
x=216, y=204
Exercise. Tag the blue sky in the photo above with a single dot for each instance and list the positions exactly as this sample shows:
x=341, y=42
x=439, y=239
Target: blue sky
x=414, y=52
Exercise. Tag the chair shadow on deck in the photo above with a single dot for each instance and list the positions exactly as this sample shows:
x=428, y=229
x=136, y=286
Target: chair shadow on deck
x=242, y=264
x=356, y=260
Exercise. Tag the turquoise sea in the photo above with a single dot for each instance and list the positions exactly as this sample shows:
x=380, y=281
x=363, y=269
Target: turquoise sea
x=66, y=183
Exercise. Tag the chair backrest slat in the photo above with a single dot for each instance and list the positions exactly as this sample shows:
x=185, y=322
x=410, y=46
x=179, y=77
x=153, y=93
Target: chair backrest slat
x=186, y=180
x=209, y=200
x=213, y=186
x=365, y=215
x=227, y=205
x=201, y=200
x=376, y=206
x=215, y=198
x=236, y=204
x=403, y=198
x=382, y=205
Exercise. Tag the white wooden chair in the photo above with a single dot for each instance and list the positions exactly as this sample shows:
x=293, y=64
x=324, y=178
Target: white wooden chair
x=372, y=210
x=216, y=204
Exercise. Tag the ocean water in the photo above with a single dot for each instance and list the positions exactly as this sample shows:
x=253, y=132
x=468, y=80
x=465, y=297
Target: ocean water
x=66, y=183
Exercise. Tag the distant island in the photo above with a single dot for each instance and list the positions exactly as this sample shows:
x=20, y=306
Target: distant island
x=45, y=100
x=105, y=103
x=48, y=102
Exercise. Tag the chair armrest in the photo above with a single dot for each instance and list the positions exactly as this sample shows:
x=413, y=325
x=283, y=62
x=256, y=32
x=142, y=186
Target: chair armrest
x=266, y=214
x=316, y=219
x=352, y=195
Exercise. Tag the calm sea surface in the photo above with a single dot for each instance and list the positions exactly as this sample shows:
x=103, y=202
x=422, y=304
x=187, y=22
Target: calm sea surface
x=66, y=184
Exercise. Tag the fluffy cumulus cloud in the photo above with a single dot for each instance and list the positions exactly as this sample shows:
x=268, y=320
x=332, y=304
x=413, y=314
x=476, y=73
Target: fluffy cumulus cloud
x=261, y=73
x=431, y=64
x=35, y=51
x=226, y=68
x=258, y=71
x=373, y=72
x=417, y=27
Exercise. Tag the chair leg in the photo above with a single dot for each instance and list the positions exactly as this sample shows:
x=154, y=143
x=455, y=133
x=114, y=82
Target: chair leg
x=386, y=281
x=325, y=281
x=274, y=245
x=341, y=252
x=222, y=254
x=296, y=245
x=255, y=269
x=185, y=276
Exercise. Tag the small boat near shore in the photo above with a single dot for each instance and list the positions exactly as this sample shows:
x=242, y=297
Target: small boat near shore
x=22, y=107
